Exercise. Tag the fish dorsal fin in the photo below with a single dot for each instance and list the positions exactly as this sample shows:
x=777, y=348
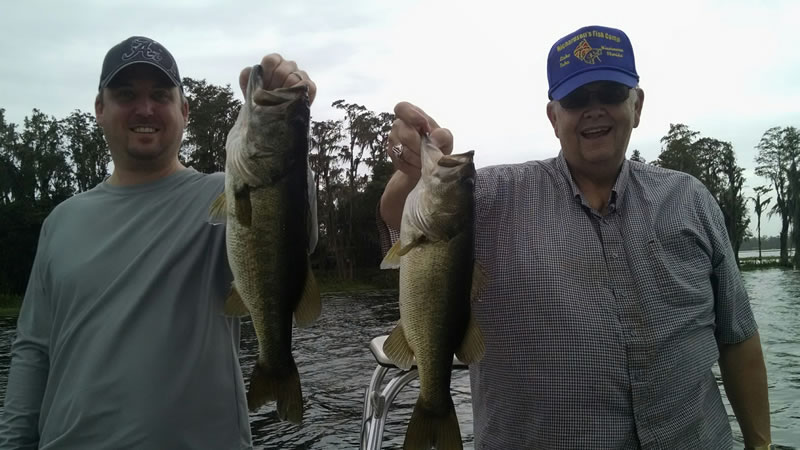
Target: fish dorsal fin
x=472, y=347
x=219, y=210
x=396, y=348
x=479, y=280
x=310, y=305
x=234, y=306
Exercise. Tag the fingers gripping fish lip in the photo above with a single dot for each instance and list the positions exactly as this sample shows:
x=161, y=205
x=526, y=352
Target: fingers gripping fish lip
x=255, y=82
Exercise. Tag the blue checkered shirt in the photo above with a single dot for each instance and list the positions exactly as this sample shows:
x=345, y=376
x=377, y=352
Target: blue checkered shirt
x=601, y=330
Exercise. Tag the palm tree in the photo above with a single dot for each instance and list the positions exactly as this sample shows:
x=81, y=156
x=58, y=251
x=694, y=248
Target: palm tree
x=759, y=207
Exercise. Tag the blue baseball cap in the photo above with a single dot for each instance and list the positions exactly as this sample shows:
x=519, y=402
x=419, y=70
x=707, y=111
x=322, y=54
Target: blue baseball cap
x=589, y=54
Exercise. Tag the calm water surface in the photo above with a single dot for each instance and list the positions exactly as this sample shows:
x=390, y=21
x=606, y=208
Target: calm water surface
x=335, y=367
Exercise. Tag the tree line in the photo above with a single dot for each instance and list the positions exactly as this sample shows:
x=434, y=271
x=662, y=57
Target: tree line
x=49, y=159
x=713, y=162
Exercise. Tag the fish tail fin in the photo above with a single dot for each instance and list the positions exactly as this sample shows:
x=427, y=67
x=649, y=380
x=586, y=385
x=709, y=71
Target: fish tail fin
x=427, y=429
x=283, y=386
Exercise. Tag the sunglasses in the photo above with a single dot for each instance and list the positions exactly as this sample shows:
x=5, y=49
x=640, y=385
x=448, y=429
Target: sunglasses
x=606, y=94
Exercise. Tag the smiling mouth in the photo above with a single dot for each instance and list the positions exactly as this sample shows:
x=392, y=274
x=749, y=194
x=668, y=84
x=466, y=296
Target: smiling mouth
x=596, y=132
x=144, y=130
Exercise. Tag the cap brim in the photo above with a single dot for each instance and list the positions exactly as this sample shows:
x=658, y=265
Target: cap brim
x=120, y=68
x=591, y=76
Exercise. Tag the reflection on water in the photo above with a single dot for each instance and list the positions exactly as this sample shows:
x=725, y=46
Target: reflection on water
x=775, y=298
x=335, y=367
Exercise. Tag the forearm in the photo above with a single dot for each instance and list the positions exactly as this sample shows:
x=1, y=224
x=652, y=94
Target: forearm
x=394, y=198
x=745, y=379
x=19, y=426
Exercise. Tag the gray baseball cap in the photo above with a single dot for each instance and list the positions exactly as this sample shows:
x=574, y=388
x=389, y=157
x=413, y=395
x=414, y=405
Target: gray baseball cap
x=138, y=50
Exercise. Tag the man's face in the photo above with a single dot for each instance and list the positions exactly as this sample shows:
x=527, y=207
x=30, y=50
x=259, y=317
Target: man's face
x=594, y=124
x=142, y=115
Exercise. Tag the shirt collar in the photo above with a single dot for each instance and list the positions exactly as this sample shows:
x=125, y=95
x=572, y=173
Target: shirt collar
x=617, y=191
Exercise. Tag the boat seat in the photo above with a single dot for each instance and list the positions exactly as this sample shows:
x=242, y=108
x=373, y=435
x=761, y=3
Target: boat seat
x=378, y=398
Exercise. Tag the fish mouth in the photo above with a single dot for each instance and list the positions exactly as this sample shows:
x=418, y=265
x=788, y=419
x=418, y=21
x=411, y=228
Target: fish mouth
x=456, y=160
x=255, y=82
x=257, y=96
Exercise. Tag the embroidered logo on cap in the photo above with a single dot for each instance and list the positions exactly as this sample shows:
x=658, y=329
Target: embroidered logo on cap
x=152, y=50
x=586, y=53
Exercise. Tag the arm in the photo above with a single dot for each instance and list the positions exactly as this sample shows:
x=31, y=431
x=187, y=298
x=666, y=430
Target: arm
x=410, y=123
x=741, y=361
x=745, y=380
x=30, y=365
x=394, y=198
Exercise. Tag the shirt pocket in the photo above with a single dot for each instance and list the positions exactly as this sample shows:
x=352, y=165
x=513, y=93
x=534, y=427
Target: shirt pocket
x=681, y=269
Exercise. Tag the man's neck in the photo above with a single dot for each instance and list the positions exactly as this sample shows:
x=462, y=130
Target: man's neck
x=132, y=176
x=596, y=187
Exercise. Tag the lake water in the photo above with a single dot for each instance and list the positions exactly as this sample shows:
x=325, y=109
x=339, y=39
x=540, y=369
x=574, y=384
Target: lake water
x=335, y=367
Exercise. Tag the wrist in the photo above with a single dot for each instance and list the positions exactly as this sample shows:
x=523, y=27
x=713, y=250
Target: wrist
x=408, y=180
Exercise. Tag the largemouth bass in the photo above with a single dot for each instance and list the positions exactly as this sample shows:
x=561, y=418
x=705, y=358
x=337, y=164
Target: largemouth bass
x=271, y=230
x=438, y=278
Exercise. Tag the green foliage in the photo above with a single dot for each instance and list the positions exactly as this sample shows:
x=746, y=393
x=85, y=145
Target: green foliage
x=713, y=162
x=778, y=153
x=88, y=149
x=48, y=160
x=10, y=304
x=212, y=113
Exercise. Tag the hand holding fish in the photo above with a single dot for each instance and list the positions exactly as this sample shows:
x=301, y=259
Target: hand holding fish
x=280, y=73
x=411, y=122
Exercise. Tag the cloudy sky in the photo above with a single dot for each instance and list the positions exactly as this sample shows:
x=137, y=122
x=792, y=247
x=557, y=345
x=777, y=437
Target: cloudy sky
x=728, y=68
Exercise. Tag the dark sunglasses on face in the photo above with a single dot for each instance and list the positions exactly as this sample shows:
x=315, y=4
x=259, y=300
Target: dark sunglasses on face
x=606, y=94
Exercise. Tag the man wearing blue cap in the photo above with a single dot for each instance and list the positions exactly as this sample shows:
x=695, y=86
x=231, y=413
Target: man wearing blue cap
x=613, y=288
x=121, y=341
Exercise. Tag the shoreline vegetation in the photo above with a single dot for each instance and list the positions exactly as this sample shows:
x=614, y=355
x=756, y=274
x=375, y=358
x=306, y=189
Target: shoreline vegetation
x=328, y=282
x=376, y=279
x=766, y=262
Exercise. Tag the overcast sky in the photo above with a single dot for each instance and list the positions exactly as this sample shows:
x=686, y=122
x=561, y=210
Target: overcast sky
x=728, y=69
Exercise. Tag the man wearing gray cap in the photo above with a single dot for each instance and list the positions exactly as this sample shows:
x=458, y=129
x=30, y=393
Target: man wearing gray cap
x=613, y=288
x=121, y=340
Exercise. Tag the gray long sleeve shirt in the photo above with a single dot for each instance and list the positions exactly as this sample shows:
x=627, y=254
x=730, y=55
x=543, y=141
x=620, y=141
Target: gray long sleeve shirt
x=121, y=341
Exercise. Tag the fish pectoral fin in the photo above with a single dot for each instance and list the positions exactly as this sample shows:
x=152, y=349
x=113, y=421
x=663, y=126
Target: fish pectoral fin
x=472, y=346
x=244, y=211
x=397, y=349
x=234, y=306
x=479, y=280
x=392, y=258
x=218, y=210
x=310, y=305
